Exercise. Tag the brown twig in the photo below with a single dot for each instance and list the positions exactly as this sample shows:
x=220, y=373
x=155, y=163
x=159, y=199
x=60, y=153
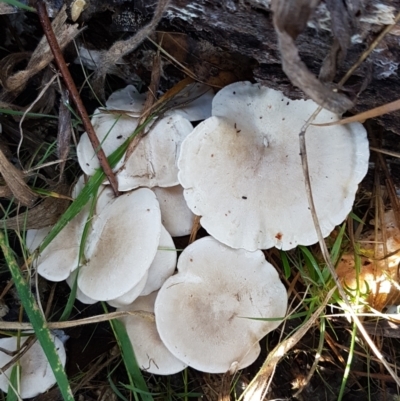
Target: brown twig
x=69, y=82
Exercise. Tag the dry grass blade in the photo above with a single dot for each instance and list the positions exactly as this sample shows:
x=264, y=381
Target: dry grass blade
x=14, y=179
x=64, y=131
x=79, y=322
x=148, y=105
x=361, y=117
x=258, y=387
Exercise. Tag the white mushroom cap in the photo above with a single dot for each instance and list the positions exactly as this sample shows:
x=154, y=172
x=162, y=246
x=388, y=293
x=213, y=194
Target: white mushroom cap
x=127, y=99
x=242, y=172
x=131, y=295
x=37, y=376
x=151, y=354
x=176, y=217
x=122, y=245
x=153, y=162
x=202, y=312
x=61, y=256
x=112, y=131
x=163, y=265
x=198, y=99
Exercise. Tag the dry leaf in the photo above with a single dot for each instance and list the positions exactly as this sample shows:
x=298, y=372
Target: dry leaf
x=290, y=18
x=15, y=181
x=43, y=215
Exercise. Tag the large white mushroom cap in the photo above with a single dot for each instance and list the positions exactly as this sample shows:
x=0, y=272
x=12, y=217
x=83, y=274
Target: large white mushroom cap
x=151, y=354
x=122, y=245
x=202, y=313
x=241, y=169
x=36, y=374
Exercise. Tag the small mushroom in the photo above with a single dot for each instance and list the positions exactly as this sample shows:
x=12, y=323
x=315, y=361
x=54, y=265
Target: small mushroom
x=242, y=172
x=80, y=296
x=197, y=102
x=153, y=162
x=131, y=295
x=204, y=312
x=127, y=99
x=36, y=374
x=61, y=256
x=163, y=265
x=112, y=131
x=151, y=354
x=176, y=217
x=121, y=246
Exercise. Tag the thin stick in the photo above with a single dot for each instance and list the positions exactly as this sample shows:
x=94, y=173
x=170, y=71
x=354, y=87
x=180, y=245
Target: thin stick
x=69, y=82
x=79, y=322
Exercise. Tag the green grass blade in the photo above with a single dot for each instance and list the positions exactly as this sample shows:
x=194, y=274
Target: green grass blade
x=21, y=113
x=128, y=356
x=36, y=319
x=18, y=4
x=337, y=246
x=11, y=394
x=286, y=265
x=312, y=265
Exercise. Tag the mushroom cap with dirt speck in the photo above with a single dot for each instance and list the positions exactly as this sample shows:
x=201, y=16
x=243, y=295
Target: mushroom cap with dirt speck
x=36, y=374
x=122, y=245
x=151, y=354
x=153, y=162
x=242, y=172
x=175, y=214
x=203, y=313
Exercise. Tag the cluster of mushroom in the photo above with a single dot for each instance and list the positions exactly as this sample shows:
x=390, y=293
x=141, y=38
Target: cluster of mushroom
x=241, y=171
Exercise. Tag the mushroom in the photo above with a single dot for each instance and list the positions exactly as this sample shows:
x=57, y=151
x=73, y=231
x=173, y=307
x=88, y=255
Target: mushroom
x=36, y=374
x=197, y=102
x=131, y=295
x=153, y=162
x=163, y=265
x=242, y=172
x=121, y=246
x=80, y=296
x=175, y=214
x=204, y=312
x=150, y=352
x=112, y=131
x=127, y=99
x=61, y=256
